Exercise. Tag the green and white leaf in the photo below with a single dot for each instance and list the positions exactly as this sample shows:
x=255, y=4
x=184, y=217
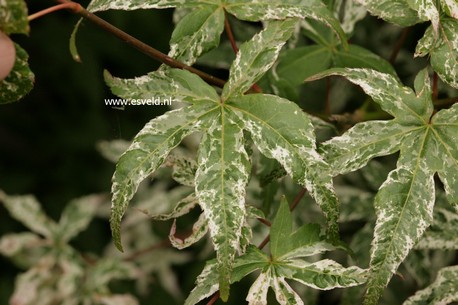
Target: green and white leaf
x=197, y=33
x=221, y=180
x=28, y=211
x=117, y=299
x=13, y=17
x=351, y=12
x=184, y=168
x=450, y=7
x=77, y=215
x=278, y=10
x=147, y=152
x=183, y=207
x=426, y=10
x=444, y=290
x=394, y=11
x=181, y=85
x=199, y=229
x=206, y=284
x=443, y=50
x=443, y=233
x=19, y=81
x=269, y=119
x=112, y=150
x=103, y=5
x=257, y=56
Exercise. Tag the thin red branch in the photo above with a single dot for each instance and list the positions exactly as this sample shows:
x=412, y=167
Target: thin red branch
x=69, y=5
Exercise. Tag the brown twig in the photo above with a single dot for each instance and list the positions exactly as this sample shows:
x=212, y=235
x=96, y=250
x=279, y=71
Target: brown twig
x=139, y=45
x=399, y=44
x=69, y=5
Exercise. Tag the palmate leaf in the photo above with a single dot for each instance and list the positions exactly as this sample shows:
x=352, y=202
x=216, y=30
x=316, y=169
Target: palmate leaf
x=443, y=291
x=405, y=201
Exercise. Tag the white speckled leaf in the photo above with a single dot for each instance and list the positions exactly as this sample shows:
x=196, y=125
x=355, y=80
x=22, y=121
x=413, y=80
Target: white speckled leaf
x=256, y=56
x=257, y=10
x=179, y=85
x=282, y=131
x=284, y=294
x=445, y=129
x=129, y=5
x=404, y=207
x=206, y=284
x=443, y=291
x=399, y=101
x=147, y=152
x=327, y=274
x=77, y=215
x=182, y=208
x=394, y=11
x=450, y=7
x=426, y=10
x=197, y=33
x=28, y=211
x=362, y=143
x=351, y=12
x=443, y=233
x=199, y=229
x=257, y=295
x=221, y=180
x=13, y=17
x=183, y=168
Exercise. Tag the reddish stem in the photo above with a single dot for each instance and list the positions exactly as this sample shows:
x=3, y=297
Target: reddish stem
x=399, y=44
x=68, y=5
x=435, y=86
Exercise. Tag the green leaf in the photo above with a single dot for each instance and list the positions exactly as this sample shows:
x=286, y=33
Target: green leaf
x=197, y=33
x=72, y=42
x=297, y=64
x=276, y=9
x=103, y=5
x=280, y=230
x=394, y=11
x=28, y=211
x=13, y=17
x=443, y=291
x=77, y=215
x=147, y=152
x=20, y=80
x=257, y=56
x=206, y=284
x=180, y=85
x=221, y=179
x=269, y=119
x=284, y=293
x=426, y=10
x=358, y=57
x=253, y=259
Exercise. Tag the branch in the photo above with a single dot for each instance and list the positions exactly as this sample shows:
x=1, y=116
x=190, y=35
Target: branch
x=139, y=45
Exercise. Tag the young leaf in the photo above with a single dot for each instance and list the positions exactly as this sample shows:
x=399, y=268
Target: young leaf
x=405, y=201
x=281, y=229
x=269, y=119
x=147, y=152
x=197, y=33
x=199, y=229
x=221, y=179
x=443, y=291
x=257, y=56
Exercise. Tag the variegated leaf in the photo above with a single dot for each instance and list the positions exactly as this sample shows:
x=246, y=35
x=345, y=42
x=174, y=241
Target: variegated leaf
x=197, y=33
x=183, y=207
x=352, y=13
x=178, y=85
x=103, y=5
x=147, y=152
x=450, y=7
x=257, y=56
x=445, y=129
x=13, y=244
x=404, y=207
x=221, y=180
x=443, y=233
x=426, y=10
x=363, y=142
x=395, y=11
x=13, y=17
x=399, y=101
x=284, y=293
x=257, y=295
x=326, y=274
x=443, y=291
x=28, y=211
x=117, y=299
x=184, y=168
x=269, y=119
x=206, y=284
x=277, y=10
x=77, y=215
x=199, y=229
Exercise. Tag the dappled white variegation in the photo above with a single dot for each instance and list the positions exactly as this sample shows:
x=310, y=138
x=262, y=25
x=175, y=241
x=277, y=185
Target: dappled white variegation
x=428, y=144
